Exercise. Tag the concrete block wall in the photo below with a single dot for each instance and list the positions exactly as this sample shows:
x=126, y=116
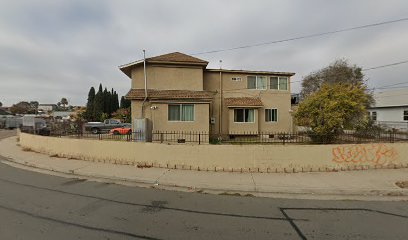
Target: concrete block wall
x=231, y=158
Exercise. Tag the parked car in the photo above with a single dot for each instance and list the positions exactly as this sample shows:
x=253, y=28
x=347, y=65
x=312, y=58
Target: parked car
x=126, y=130
x=106, y=126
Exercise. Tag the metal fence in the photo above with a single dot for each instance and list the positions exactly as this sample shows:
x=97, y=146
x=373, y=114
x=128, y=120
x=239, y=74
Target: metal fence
x=105, y=135
x=399, y=126
x=278, y=137
x=180, y=137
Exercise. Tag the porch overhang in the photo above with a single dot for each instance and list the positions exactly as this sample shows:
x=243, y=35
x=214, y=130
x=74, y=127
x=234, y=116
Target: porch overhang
x=243, y=102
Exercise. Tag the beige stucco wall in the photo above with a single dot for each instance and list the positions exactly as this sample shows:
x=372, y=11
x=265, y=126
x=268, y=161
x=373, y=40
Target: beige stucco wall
x=200, y=123
x=159, y=119
x=168, y=77
x=268, y=158
x=279, y=99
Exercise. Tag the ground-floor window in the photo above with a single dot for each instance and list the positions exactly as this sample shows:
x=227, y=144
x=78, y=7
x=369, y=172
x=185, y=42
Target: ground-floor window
x=181, y=112
x=244, y=115
x=373, y=116
x=405, y=115
x=271, y=115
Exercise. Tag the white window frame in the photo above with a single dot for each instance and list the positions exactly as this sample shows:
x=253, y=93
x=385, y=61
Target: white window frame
x=236, y=79
x=277, y=115
x=256, y=82
x=244, y=114
x=181, y=112
x=279, y=78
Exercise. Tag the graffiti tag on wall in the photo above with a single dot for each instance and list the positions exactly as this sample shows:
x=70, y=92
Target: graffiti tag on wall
x=374, y=154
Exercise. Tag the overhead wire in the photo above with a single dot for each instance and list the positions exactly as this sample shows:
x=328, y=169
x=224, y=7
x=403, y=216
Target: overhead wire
x=387, y=65
x=313, y=36
x=302, y=37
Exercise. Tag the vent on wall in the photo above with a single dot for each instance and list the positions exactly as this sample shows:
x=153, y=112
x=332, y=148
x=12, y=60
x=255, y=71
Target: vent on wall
x=236, y=79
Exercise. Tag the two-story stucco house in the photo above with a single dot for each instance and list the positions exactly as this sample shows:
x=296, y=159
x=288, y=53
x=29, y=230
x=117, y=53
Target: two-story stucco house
x=181, y=94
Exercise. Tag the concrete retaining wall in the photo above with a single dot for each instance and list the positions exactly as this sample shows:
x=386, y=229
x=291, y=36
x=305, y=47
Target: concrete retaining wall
x=257, y=158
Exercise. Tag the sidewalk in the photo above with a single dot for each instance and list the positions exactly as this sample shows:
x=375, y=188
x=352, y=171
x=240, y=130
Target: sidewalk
x=352, y=185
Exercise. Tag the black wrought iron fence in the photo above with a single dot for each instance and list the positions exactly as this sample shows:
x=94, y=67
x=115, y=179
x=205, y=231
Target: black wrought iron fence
x=278, y=137
x=180, y=137
x=393, y=125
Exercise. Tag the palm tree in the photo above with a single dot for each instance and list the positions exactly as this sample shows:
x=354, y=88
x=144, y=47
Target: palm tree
x=64, y=102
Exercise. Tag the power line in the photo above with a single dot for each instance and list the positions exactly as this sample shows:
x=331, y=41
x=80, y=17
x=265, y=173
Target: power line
x=388, y=65
x=378, y=67
x=303, y=37
x=390, y=85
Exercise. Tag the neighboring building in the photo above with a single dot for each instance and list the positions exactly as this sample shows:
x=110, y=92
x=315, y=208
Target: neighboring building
x=47, y=107
x=183, y=95
x=295, y=99
x=64, y=115
x=391, y=109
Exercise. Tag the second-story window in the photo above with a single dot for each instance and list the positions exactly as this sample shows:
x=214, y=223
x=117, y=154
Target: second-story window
x=278, y=83
x=256, y=82
x=405, y=115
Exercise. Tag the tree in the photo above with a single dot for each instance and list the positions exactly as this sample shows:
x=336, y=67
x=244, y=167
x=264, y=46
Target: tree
x=124, y=103
x=21, y=108
x=123, y=114
x=64, y=102
x=90, y=105
x=331, y=109
x=34, y=106
x=102, y=104
x=340, y=71
x=1, y=104
x=114, y=101
x=98, y=104
x=105, y=97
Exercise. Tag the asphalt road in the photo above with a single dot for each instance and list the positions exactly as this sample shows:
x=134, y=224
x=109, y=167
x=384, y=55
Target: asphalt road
x=38, y=206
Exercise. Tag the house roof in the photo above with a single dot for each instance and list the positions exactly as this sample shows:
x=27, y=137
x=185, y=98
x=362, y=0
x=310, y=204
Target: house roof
x=169, y=58
x=243, y=102
x=154, y=94
x=392, y=98
x=177, y=57
x=252, y=72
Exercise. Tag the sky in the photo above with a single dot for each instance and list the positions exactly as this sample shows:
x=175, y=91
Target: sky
x=51, y=49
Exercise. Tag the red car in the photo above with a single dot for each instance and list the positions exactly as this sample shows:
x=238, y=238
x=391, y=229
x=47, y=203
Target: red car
x=121, y=131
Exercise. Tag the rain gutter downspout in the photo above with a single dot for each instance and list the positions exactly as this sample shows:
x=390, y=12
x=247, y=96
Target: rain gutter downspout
x=221, y=108
x=145, y=83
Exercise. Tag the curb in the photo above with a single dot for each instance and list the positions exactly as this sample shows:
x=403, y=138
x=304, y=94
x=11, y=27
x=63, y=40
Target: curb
x=316, y=195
